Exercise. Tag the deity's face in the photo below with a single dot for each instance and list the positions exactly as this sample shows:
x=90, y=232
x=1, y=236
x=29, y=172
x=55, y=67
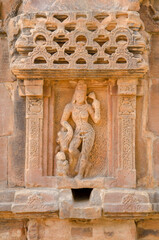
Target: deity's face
x=80, y=96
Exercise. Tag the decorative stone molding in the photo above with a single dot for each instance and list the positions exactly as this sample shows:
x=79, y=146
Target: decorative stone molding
x=78, y=41
x=60, y=203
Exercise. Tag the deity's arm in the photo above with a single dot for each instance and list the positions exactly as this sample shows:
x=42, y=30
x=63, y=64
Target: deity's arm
x=94, y=110
x=66, y=115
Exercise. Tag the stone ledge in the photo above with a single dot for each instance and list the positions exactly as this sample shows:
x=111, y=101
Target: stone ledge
x=101, y=203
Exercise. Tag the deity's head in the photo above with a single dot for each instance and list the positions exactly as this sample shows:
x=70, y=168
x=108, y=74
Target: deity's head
x=80, y=93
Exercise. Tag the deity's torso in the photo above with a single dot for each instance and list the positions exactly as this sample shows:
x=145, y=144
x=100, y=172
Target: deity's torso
x=80, y=116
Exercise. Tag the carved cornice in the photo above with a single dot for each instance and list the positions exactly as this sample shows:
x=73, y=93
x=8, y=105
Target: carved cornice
x=100, y=43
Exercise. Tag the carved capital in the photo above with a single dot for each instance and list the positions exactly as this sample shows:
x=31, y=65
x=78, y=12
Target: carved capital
x=127, y=86
x=31, y=88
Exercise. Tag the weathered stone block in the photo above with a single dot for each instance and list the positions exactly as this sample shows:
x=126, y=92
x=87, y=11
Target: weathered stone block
x=85, y=212
x=82, y=232
x=153, y=114
x=36, y=201
x=6, y=200
x=148, y=230
x=16, y=144
x=154, y=71
x=141, y=148
x=86, y=230
x=119, y=230
x=154, y=199
x=11, y=230
x=156, y=158
x=84, y=5
x=6, y=112
x=55, y=229
x=96, y=197
x=3, y=161
x=126, y=201
x=5, y=73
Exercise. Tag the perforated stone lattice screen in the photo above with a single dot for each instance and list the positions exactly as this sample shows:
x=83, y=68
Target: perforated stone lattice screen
x=79, y=41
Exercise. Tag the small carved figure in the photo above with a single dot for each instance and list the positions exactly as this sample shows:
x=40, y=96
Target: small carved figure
x=78, y=142
x=62, y=164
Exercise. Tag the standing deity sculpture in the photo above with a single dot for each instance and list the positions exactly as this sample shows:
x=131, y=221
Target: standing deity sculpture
x=75, y=144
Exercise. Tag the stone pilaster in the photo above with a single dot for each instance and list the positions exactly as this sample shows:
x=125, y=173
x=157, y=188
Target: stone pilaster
x=34, y=127
x=126, y=123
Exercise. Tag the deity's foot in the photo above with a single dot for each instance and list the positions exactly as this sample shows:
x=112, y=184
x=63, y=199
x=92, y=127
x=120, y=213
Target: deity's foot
x=78, y=177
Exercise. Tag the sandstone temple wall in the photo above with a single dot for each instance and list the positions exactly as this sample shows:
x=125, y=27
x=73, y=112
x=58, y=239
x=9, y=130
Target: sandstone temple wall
x=52, y=52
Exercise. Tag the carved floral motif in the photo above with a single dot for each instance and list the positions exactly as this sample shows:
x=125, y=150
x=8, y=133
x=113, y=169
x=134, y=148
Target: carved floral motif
x=131, y=203
x=34, y=106
x=128, y=89
x=127, y=142
x=127, y=105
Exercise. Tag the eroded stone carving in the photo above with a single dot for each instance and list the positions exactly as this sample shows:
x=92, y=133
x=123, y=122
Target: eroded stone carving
x=126, y=121
x=34, y=114
x=80, y=41
x=76, y=143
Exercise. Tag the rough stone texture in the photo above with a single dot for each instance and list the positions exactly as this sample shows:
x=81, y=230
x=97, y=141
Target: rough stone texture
x=156, y=157
x=154, y=57
x=148, y=230
x=5, y=73
x=95, y=229
x=16, y=144
x=12, y=230
x=67, y=5
x=153, y=123
x=3, y=161
x=147, y=13
x=6, y=112
x=141, y=146
x=6, y=200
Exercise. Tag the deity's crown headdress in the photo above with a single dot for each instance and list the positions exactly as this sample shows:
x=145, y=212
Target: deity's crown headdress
x=81, y=86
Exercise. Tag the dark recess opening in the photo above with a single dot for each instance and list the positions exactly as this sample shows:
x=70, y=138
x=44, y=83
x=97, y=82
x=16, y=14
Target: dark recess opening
x=81, y=194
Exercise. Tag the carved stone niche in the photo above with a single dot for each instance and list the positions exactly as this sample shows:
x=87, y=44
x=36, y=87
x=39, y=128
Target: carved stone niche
x=80, y=74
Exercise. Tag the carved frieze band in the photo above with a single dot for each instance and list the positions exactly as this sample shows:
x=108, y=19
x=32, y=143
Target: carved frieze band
x=34, y=121
x=127, y=116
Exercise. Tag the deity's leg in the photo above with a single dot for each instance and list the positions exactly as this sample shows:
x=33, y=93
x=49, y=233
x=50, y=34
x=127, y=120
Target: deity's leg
x=87, y=144
x=74, y=153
